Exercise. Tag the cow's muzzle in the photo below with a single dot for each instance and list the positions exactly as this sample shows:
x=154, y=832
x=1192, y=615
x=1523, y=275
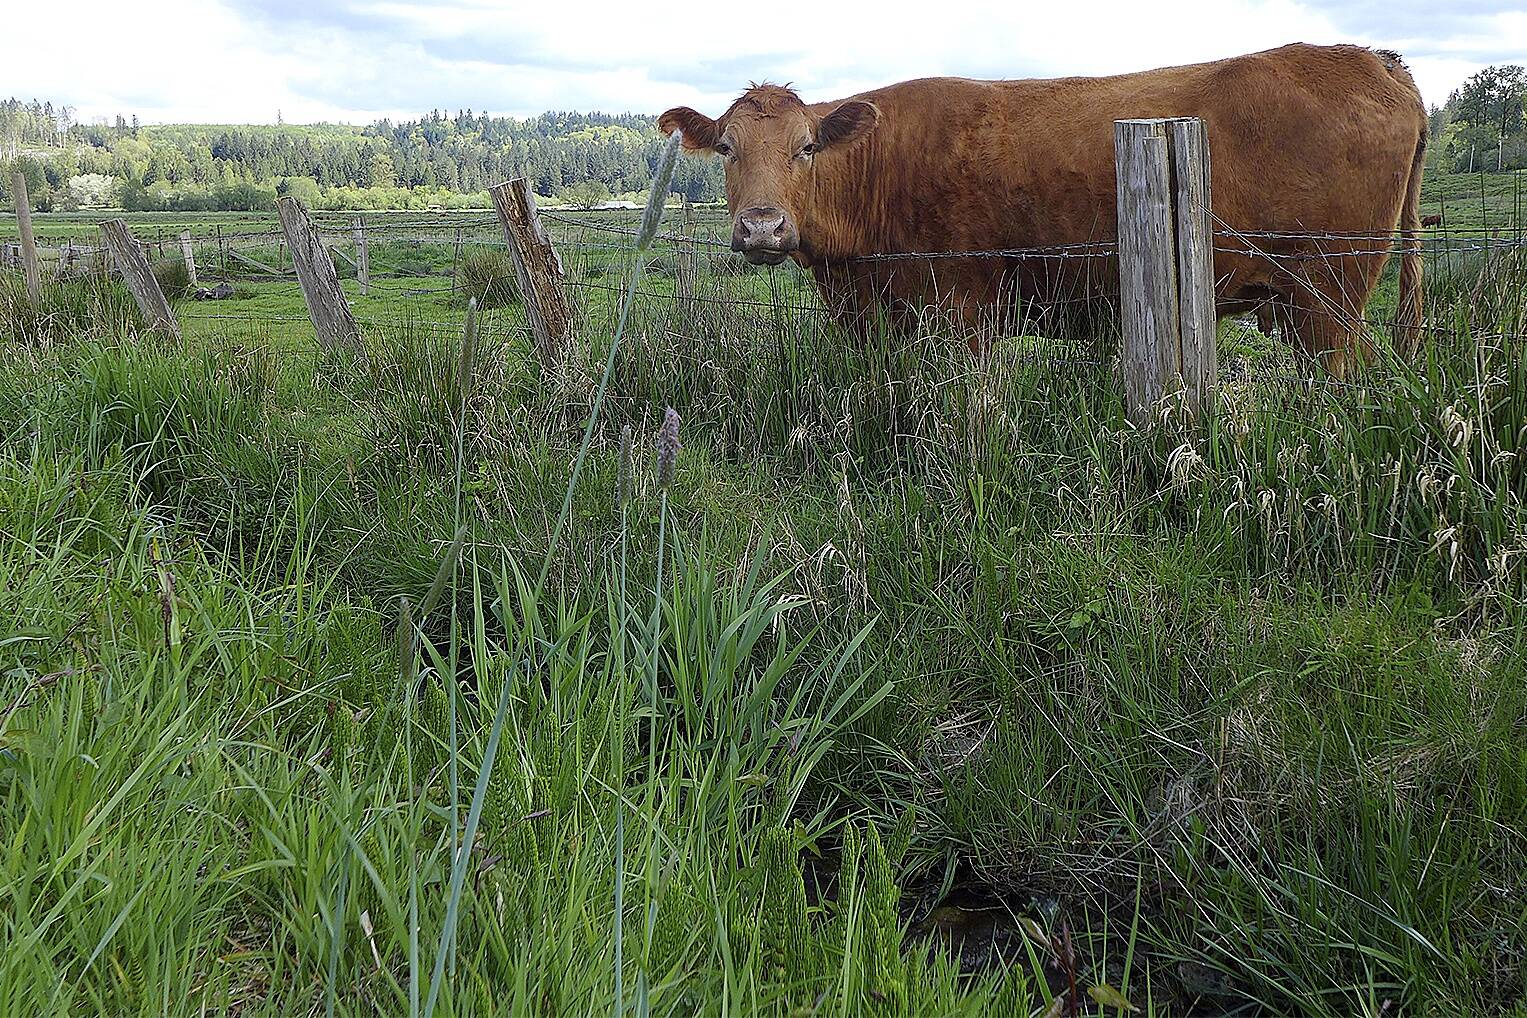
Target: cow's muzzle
x=764, y=236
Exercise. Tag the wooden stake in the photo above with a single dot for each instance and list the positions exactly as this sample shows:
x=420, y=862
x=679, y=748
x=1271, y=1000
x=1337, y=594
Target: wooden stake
x=28, y=241
x=188, y=255
x=362, y=258
x=537, y=266
x=325, y=299
x=130, y=260
x=1166, y=266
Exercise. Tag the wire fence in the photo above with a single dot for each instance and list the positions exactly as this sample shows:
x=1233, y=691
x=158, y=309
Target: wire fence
x=421, y=267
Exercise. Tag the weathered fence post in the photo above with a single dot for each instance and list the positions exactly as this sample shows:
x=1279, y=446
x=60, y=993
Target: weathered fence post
x=129, y=257
x=686, y=274
x=1166, y=266
x=325, y=299
x=188, y=255
x=362, y=259
x=28, y=241
x=538, y=267
x=456, y=261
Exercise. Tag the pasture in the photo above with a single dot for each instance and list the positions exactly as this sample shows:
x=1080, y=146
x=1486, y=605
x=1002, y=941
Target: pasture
x=912, y=683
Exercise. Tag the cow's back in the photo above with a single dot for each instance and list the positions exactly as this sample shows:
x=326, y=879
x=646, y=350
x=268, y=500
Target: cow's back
x=1302, y=138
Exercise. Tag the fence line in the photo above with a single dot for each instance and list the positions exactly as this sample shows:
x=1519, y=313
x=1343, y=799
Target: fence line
x=400, y=244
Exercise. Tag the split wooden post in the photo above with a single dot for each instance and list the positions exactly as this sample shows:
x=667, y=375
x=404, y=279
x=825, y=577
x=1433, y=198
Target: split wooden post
x=362, y=260
x=1166, y=266
x=188, y=255
x=28, y=241
x=325, y=299
x=538, y=267
x=130, y=260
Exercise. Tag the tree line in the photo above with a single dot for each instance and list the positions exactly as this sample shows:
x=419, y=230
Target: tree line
x=1481, y=126
x=451, y=160
x=437, y=159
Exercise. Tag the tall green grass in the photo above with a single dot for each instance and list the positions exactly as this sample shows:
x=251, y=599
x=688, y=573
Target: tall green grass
x=1237, y=719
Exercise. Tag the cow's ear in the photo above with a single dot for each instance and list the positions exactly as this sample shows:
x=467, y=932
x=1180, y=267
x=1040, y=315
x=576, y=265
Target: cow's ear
x=849, y=122
x=700, y=131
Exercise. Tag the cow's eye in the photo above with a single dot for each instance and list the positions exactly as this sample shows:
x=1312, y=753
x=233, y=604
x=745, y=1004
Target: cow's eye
x=807, y=150
x=722, y=148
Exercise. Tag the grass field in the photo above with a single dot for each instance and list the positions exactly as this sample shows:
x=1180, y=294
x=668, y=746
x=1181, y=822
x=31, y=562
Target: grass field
x=1471, y=202
x=911, y=684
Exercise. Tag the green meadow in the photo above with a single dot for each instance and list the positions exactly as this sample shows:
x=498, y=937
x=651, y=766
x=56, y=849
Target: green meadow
x=880, y=679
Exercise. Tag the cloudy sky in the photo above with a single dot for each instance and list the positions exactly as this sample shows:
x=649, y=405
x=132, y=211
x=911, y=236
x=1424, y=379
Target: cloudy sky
x=356, y=60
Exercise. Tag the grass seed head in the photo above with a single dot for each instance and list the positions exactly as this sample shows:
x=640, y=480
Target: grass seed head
x=667, y=448
x=653, y=215
x=623, y=488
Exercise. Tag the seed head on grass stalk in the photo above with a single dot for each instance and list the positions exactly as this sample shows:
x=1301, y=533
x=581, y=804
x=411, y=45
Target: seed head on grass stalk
x=651, y=218
x=653, y=214
x=625, y=476
x=667, y=448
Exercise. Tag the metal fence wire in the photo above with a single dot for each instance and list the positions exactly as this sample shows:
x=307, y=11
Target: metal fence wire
x=697, y=282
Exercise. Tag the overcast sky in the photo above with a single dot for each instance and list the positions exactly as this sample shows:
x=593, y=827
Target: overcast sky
x=357, y=60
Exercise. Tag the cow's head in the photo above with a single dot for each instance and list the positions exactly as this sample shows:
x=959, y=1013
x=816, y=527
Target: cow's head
x=770, y=141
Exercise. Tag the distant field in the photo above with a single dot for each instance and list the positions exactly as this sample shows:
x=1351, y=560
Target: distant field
x=1487, y=201
x=1479, y=201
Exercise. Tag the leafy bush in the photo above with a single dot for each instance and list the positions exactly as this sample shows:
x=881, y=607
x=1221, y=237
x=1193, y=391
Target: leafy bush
x=488, y=275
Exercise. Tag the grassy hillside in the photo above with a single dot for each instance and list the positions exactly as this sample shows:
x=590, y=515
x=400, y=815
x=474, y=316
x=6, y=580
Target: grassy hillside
x=1480, y=201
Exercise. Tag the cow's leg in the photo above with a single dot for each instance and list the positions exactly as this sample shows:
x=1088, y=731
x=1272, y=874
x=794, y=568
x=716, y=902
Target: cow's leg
x=1328, y=300
x=1265, y=318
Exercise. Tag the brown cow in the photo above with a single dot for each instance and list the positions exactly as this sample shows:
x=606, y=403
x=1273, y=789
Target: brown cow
x=1432, y=220
x=1304, y=140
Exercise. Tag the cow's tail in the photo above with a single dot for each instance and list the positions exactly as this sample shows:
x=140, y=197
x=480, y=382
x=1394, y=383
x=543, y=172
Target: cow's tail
x=1407, y=319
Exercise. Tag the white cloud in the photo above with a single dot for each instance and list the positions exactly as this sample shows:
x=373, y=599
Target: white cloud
x=221, y=60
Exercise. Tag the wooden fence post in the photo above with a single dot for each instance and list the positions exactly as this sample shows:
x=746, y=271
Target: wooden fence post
x=28, y=241
x=686, y=274
x=1166, y=266
x=538, y=267
x=456, y=261
x=325, y=299
x=362, y=258
x=130, y=260
x=188, y=255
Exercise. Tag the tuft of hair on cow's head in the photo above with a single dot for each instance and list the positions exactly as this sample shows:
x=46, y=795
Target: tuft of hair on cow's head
x=770, y=141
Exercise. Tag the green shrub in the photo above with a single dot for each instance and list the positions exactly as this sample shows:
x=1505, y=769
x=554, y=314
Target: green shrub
x=488, y=275
x=173, y=277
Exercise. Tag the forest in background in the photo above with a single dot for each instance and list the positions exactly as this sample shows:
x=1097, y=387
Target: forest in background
x=450, y=160
x=439, y=159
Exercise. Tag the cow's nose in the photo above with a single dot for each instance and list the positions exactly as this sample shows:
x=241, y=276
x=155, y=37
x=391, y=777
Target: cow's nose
x=763, y=229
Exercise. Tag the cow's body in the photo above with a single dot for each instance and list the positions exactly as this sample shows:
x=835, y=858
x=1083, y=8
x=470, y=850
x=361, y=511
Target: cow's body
x=1303, y=140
